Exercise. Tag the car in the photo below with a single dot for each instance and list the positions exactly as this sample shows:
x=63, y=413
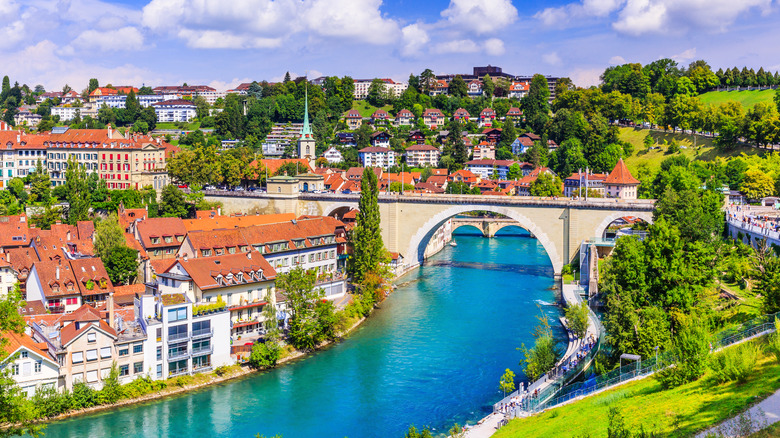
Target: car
x=238, y=189
x=346, y=192
x=183, y=186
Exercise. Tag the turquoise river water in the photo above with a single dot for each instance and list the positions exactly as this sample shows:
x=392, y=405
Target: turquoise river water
x=431, y=356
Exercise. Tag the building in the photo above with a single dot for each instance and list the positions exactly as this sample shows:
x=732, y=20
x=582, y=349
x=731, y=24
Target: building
x=524, y=142
x=307, y=148
x=486, y=117
x=581, y=180
x=62, y=286
x=433, y=118
x=464, y=176
x=27, y=118
x=490, y=169
x=461, y=114
x=353, y=119
x=404, y=118
x=620, y=183
x=519, y=89
x=415, y=137
x=183, y=338
x=422, y=155
x=492, y=135
x=484, y=151
x=514, y=114
x=160, y=237
x=475, y=88
x=101, y=92
x=376, y=156
x=66, y=113
x=333, y=155
x=380, y=139
x=28, y=365
x=178, y=110
x=380, y=117
x=244, y=281
x=19, y=155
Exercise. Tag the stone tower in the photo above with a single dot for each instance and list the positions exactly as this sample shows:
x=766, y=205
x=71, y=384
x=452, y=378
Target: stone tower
x=306, y=144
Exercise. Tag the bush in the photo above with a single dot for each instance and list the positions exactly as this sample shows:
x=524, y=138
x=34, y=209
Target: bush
x=112, y=390
x=48, y=402
x=691, y=348
x=735, y=363
x=83, y=396
x=222, y=370
x=774, y=341
x=265, y=355
x=182, y=381
x=142, y=386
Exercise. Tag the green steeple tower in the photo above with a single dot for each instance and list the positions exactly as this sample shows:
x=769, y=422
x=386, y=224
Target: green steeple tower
x=306, y=131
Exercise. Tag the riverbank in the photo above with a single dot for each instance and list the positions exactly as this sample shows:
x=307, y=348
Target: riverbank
x=220, y=375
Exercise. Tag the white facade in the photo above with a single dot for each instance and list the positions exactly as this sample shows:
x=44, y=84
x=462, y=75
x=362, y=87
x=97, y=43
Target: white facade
x=379, y=158
x=8, y=278
x=175, y=111
x=362, y=86
x=31, y=369
x=18, y=163
x=333, y=155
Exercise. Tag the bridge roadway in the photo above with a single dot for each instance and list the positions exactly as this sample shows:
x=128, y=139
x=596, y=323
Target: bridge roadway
x=409, y=221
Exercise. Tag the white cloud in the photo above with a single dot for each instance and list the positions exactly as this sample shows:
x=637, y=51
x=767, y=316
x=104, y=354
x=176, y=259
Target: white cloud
x=266, y=23
x=228, y=85
x=552, y=58
x=12, y=33
x=495, y=47
x=686, y=55
x=480, y=16
x=617, y=60
x=586, y=77
x=414, y=39
x=126, y=38
x=639, y=17
x=456, y=46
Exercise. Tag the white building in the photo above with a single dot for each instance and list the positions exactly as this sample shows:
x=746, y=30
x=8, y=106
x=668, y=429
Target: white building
x=8, y=276
x=421, y=155
x=19, y=155
x=182, y=338
x=376, y=156
x=333, y=155
x=362, y=86
x=29, y=366
x=178, y=110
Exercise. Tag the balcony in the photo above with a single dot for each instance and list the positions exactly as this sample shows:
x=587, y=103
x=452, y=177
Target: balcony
x=202, y=333
x=178, y=354
x=178, y=336
x=202, y=351
x=202, y=369
x=177, y=373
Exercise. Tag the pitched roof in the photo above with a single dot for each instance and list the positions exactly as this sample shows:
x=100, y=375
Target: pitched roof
x=591, y=176
x=227, y=222
x=620, y=175
x=491, y=163
x=92, y=269
x=86, y=229
x=14, y=231
x=437, y=180
x=160, y=227
x=428, y=188
x=487, y=112
x=130, y=215
x=380, y=114
x=206, y=271
x=404, y=113
x=433, y=112
x=422, y=147
x=162, y=265
x=124, y=295
x=353, y=114
x=55, y=276
x=16, y=341
x=375, y=149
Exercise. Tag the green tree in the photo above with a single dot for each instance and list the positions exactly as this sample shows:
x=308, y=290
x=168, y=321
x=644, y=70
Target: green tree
x=121, y=263
x=691, y=348
x=541, y=358
x=577, y=317
x=265, y=354
x=368, y=247
x=108, y=235
x=756, y=184
x=40, y=185
x=93, y=85
x=305, y=329
x=427, y=78
x=535, y=104
x=173, y=203
x=457, y=87
x=112, y=389
x=514, y=173
x=376, y=93
x=488, y=87
x=413, y=433
x=46, y=218
x=767, y=274
x=132, y=108
x=546, y=185
x=77, y=192
x=507, y=382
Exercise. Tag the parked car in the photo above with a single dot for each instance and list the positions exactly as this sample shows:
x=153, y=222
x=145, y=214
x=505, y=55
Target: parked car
x=346, y=192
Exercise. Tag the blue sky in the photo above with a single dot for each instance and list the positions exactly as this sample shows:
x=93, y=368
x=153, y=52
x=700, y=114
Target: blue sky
x=225, y=42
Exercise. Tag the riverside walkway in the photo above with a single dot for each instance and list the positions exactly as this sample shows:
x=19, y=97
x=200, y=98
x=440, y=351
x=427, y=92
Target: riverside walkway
x=579, y=353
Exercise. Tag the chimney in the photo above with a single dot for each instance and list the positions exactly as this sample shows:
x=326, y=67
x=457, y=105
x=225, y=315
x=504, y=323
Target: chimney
x=249, y=255
x=110, y=305
x=57, y=273
x=8, y=257
x=109, y=130
x=18, y=138
x=185, y=257
x=67, y=236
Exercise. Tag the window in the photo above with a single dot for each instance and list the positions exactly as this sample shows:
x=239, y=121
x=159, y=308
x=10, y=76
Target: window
x=177, y=314
x=92, y=337
x=78, y=377
x=138, y=348
x=159, y=353
x=92, y=355
x=38, y=366
x=311, y=258
x=206, y=252
x=124, y=351
x=201, y=327
x=24, y=355
x=138, y=367
x=15, y=369
x=92, y=376
x=177, y=332
x=159, y=335
x=124, y=370
x=159, y=370
x=232, y=250
x=72, y=301
x=77, y=357
x=105, y=352
x=168, y=239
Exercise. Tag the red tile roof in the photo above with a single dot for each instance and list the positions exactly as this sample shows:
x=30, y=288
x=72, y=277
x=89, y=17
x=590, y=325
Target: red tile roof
x=422, y=147
x=124, y=295
x=92, y=269
x=14, y=231
x=204, y=271
x=160, y=227
x=620, y=175
x=404, y=113
x=227, y=222
x=15, y=341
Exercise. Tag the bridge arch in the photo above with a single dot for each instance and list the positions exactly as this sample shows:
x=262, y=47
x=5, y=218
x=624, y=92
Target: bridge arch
x=339, y=208
x=420, y=239
x=646, y=216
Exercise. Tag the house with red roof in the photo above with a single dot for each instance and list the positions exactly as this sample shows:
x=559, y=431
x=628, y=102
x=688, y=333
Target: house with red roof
x=29, y=363
x=483, y=151
x=433, y=118
x=474, y=88
x=380, y=117
x=160, y=237
x=620, y=183
x=461, y=114
x=519, y=89
x=486, y=117
x=514, y=114
x=422, y=155
x=464, y=176
x=404, y=118
x=353, y=119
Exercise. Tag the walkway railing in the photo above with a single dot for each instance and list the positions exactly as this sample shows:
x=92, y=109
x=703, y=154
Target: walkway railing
x=724, y=338
x=752, y=228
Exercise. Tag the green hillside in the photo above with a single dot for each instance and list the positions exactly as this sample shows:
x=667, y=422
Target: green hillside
x=677, y=412
x=365, y=109
x=746, y=98
x=703, y=150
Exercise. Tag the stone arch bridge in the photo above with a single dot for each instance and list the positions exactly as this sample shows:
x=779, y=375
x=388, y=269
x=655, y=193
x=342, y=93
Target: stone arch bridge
x=409, y=221
x=488, y=225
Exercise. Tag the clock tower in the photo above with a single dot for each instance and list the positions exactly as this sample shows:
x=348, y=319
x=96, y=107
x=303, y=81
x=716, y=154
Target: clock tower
x=306, y=144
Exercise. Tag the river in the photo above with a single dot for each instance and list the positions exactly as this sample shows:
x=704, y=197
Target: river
x=431, y=356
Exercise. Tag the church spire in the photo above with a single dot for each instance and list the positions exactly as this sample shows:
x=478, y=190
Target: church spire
x=306, y=131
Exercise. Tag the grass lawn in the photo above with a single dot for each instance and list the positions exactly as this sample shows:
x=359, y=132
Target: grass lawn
x=170, y=125
x=365, y=109
x=704, y=149
x=746, y=98
x=678, y=412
